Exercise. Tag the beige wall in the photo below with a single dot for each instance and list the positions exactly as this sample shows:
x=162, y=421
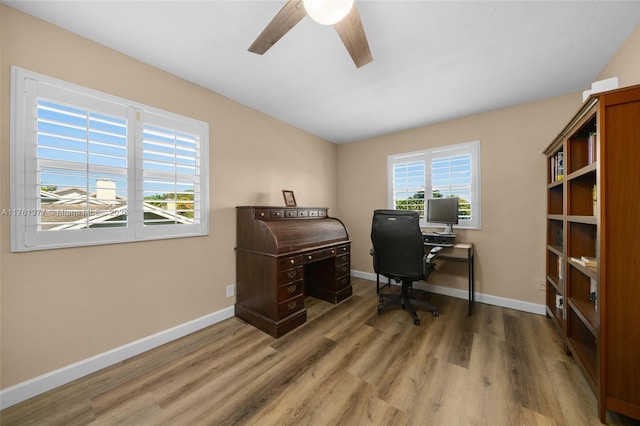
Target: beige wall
x=52, y=319
x=625, y=64
x=509, y=254
x=509, y=260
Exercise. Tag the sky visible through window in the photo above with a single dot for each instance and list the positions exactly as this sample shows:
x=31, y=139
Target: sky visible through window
x=80, y=147
x=450, y=176
x=79, y=142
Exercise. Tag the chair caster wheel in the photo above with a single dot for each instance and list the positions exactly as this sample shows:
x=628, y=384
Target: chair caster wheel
x=379, y=310
x=416, y=321
x=435, y=312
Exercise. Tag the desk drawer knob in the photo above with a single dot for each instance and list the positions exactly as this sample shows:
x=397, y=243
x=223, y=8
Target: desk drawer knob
x=292, y=288
x=292, y=274
x=292, y=305
x=292, y=261
x=333, y=252
x=309, y=257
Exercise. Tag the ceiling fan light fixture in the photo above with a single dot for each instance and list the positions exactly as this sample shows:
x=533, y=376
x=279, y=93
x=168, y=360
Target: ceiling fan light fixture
x=327, y=12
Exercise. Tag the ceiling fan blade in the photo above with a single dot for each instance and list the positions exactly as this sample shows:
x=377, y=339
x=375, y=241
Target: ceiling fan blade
x=285, y=19
x=352, y=34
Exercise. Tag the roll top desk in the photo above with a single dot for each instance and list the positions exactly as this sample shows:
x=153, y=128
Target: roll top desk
x=284, y=254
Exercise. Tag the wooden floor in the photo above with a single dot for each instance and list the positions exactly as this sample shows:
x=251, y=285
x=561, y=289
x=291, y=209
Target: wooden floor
x=346, y=365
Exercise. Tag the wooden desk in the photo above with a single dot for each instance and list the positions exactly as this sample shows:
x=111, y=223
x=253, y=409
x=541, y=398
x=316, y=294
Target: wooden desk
x=283, y=254
x=460, y=252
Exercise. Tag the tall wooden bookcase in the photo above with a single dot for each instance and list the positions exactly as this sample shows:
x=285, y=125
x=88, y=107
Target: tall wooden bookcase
x=593, y=210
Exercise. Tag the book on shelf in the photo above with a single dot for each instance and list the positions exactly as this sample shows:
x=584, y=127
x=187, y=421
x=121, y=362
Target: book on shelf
x=591, y=148
x=585, y=261
x=594, y=196
x=560, y=159
x=556, y=166
x=559, y=301
x=560, y=268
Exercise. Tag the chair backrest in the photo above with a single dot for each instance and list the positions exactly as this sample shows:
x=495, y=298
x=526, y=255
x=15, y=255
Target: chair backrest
x=398, y=244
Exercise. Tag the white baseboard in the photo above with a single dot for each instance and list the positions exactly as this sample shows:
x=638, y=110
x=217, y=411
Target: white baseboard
x=519, y=305
x=30, y=388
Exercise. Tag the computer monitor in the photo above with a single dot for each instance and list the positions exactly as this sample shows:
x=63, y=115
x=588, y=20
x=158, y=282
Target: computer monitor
x=443, y=210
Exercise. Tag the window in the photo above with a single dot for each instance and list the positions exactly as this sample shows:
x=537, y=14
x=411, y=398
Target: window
x=450, y=171
x=90, y=168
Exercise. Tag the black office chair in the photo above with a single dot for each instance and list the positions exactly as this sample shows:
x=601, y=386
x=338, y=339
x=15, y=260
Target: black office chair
x=398, y=254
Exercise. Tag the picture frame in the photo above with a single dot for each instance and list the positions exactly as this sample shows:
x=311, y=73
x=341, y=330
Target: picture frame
x=289, y=198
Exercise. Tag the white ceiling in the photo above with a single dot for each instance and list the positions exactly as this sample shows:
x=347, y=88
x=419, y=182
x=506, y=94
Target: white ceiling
x=432, y=61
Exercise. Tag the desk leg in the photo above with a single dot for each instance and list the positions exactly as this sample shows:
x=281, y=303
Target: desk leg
x=471, y=281
x=388, y=284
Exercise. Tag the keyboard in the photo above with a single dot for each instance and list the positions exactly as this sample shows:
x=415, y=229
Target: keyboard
x=438, y=245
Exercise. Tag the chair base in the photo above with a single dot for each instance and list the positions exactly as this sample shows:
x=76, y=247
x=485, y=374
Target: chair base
x=407, y=303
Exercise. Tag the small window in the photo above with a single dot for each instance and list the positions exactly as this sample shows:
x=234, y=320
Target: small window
x=90, y=168
x=450, y=171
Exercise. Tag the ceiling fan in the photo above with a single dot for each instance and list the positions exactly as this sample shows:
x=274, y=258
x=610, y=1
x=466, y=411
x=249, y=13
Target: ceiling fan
x=342, y=14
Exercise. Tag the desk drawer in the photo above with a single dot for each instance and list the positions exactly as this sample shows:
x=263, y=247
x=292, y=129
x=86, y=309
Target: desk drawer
x=318, y=255
x=288, y=291
x=343, y=249
x=342, y=270
x=342, y=259
x=276, y=214
x=290, y=275
x=343, y=282
x=290, y=306
x=289, y=262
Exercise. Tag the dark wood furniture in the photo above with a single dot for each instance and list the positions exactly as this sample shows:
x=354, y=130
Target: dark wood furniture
x=592, y=211
x=283, y=254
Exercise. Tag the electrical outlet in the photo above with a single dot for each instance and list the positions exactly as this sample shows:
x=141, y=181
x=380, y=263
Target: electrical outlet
x=230, y=290
x=542, y=285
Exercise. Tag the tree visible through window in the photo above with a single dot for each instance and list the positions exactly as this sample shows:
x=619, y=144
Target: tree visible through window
x=440, y=172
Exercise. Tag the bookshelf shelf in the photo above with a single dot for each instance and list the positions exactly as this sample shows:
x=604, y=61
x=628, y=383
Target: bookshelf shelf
x=587, y=220
x=586, y=313
x=589, y=214
x=588, y=169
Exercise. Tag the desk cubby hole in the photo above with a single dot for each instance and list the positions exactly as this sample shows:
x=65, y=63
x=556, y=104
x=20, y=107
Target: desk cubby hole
x=578, y=146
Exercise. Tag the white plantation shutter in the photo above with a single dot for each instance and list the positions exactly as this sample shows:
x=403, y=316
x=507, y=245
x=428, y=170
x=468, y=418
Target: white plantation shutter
x=81, y=149
x=438, y=172
x=172, y=176
x=91, y=168
x=408, y=183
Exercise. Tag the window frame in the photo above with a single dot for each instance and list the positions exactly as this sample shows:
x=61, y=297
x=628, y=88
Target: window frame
x=27, y=88
x=426, y=156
